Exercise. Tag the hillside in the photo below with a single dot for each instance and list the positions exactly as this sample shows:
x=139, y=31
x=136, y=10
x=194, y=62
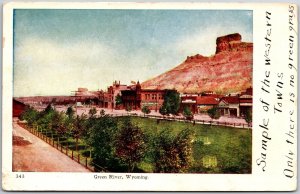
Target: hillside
x=228, y=71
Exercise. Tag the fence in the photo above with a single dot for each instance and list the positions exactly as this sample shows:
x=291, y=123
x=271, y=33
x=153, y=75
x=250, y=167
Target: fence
x=194, y=121
x=74, y=155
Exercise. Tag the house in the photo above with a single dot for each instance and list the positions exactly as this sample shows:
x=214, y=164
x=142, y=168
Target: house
x=229, y=106
x=189, y=100
x=136, y=97
x=206, y=102
x=18, y=107
x=131, y=97
x=246, y=101
x=153, y=98
x=113, y=91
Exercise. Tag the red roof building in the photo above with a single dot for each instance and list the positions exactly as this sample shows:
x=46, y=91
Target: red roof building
x=246, y=101
x=229, y=106
x=206, y=102
x=190, y=101
x=18, y=108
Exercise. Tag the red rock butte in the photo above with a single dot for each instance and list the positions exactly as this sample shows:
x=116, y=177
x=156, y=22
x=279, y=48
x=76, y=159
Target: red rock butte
x=228, y=71
x=232, y=42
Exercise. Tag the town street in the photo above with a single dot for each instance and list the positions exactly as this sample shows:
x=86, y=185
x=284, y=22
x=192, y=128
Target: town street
x=31, y=154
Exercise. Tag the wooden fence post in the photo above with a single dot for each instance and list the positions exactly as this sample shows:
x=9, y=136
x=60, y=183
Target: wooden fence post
x=67, y=149
x=86, y=162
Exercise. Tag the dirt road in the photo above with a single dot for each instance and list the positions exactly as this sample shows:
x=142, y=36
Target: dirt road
x=31, y=154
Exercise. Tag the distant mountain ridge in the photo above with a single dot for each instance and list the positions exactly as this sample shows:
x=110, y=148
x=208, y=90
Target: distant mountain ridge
x=228, y=71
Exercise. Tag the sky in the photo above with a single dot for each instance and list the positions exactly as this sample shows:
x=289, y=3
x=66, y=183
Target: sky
x=58, y=51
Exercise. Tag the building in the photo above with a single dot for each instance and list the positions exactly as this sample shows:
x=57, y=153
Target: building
x=190, y=101
x=246, y=101
x=136, y=97
x=131, y=97
x=153, y=98
x=86, y=97
x=205, y=103
x=18, y=108
x=113, y=91
x=229, y=106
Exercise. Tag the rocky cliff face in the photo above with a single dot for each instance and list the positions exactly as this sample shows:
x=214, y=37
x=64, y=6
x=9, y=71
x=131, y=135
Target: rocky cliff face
x=228, y=71
x=232, y=42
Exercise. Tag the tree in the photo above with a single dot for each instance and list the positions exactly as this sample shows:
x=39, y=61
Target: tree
x=92, y=112
x=79, y=129
x=184, y=143
x=101, y=138
x=102, y=112
x=30, y=115
x=58, y=124
x=248, y=116
x=171, y=102
x=70, y=112
x=88, y=102
x=173, y=154
x=214, y=113
x=187, y=113
x=146, y=110
x=163, y=110
x=130, y=146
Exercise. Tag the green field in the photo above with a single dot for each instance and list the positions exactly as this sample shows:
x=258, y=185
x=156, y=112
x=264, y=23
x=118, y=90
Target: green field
x=216, y=149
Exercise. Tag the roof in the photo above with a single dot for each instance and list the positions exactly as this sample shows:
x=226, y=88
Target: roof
x=18, y=102
x=214, y=95
x=207, y=100
x=128, y=92
x=247, y=100
x=152, y=90
x=231, y=99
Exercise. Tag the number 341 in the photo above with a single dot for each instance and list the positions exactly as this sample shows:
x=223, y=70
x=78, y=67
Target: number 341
x=20, y=176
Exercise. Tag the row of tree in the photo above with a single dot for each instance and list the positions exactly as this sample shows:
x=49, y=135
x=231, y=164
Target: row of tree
x=117, y=144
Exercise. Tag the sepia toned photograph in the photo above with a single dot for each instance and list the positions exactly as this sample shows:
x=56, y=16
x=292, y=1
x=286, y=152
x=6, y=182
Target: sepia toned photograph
x=135, y=91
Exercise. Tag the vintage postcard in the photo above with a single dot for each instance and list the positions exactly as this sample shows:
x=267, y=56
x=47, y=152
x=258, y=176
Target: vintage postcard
x=149, y=96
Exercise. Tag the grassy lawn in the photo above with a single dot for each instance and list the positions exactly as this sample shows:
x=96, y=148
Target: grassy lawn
x=216, y=149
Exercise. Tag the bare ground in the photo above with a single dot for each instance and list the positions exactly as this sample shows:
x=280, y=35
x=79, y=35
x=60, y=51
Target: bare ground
x=31, y=154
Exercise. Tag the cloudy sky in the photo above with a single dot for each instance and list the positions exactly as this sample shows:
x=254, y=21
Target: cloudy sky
x=57, y=51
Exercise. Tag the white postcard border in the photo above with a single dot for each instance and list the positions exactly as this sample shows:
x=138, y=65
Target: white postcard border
x=272, y=178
